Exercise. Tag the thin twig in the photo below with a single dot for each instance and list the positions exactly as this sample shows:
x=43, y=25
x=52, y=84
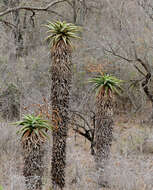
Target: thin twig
x=32, y=9
x=80, y=115
x=139, y=70
x=7, y=23
x=117, y=55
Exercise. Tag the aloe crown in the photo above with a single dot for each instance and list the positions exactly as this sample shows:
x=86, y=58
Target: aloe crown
x=106, y=84
x=59, y=30
x=33, y=127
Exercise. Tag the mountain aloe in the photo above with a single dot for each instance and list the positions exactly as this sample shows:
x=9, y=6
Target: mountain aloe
x=33, y=136
x=60, y=35
x=106, y=86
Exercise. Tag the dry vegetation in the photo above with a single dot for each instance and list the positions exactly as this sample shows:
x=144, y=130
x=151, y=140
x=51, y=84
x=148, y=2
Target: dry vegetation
x=107, y=25
x=129, y=168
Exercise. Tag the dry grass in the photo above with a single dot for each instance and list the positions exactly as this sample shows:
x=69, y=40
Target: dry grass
x=129, y=167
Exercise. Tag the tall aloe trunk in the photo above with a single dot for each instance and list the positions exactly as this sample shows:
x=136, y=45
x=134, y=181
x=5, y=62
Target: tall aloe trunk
x=103, y=130
x=33, y=165
x=60, y=93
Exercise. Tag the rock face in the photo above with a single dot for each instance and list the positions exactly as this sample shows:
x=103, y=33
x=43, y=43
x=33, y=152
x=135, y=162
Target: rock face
x=10, y=103
x=147, y=146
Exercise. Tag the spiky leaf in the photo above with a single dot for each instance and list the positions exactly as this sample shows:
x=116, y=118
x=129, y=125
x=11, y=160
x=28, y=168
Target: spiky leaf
x=61, y=31
x=33, y=127
x=104, y=84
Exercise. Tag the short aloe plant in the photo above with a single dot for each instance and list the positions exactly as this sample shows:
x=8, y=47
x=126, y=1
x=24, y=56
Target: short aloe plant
x=61, y=31
x=106, y=84
x=33, y=127
x=33, y=133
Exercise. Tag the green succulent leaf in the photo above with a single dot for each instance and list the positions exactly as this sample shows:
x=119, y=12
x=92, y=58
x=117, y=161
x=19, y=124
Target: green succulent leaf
x=59, y=30
x=107, y=83
x=33, y=125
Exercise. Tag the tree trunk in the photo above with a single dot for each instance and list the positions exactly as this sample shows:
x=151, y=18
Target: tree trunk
x=79, y=11
x=17, y=33
x=103, y=131
x=60, y=92
x=33, y=165
x=148, y=93
x=83, y=12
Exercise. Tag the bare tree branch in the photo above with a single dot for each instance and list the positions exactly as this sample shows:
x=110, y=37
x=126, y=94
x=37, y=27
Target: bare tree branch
x=134, y=82
x=80, y=115
x=85, y=129
x=147, y=68
x=117, y=55
x=32, y=9
x=70, y=3
x=139, y=70
x=86, y=134
x=7, y=23
x=144, y=64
